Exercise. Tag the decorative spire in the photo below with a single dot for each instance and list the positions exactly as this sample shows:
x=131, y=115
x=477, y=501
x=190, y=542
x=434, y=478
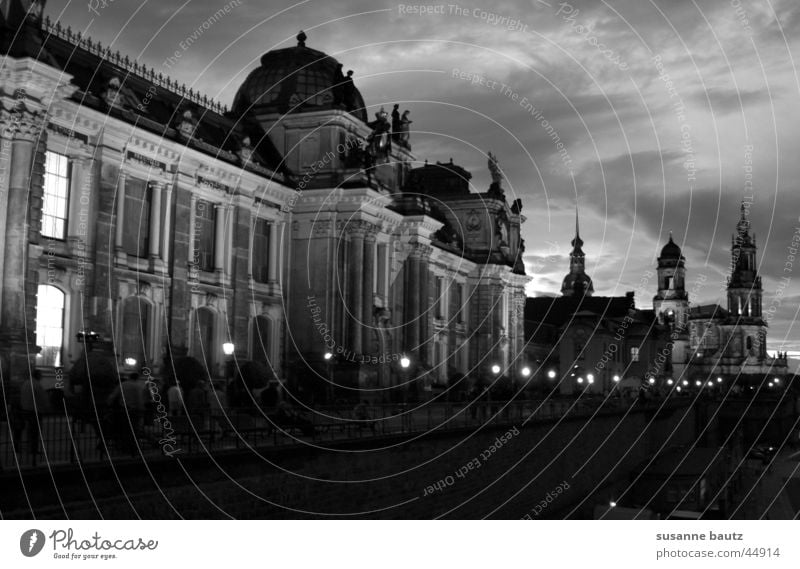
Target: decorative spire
x=577, y=243
x=301, y=39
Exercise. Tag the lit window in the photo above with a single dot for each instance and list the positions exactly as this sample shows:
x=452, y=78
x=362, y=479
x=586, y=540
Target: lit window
x=56, y=195
x=634, y=354
x=49, y=325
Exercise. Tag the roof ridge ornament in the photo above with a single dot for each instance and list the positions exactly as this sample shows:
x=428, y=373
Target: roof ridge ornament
x=301, y=39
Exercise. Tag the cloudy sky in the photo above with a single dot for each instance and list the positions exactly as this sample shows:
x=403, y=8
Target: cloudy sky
x=654, y=116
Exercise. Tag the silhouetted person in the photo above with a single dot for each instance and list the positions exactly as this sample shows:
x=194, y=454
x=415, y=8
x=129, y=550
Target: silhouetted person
x=396, y=125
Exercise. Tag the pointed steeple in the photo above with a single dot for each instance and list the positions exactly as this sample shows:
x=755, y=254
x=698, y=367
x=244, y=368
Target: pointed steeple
x=577, y=282
x=577, y=242
x=743, y=227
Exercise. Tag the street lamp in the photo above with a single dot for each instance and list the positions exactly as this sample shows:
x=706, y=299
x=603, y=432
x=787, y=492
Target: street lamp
x=719, y=380
x=227, y=349
x=130, y=362
x=651, y=381
x=331, y=385
x=616, y=379
x=551, y=374
x=526, y=371
x=495, y=369
x=405, y=362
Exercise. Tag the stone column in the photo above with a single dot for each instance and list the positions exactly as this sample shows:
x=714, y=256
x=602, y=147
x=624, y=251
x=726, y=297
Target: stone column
x=120, y=220
x=16, y=228
x=219, y=239
x=355, y=275
x=411, y=308
x=74, y=204
x=367, y=293
x=272, y=267
x=155, y=222
x=167, y=225
x=230, y=246
x=382, y=286
x=424, y=296
x=192, y=231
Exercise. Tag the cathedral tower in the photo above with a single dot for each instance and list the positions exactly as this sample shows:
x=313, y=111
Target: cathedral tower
x=671, y=303
x=577, y=282
x=744, y=284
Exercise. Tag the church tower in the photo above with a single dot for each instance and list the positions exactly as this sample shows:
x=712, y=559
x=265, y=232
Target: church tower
x=671, y=303
x=577, y=282
x=744, y=284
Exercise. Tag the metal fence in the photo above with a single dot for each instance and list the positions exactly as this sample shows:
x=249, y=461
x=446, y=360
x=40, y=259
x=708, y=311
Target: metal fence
x=28, y=441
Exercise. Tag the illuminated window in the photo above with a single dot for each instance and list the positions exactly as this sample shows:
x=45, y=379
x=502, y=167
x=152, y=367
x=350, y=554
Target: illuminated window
x=49, y=325
x=56, y=195
x=634, y=354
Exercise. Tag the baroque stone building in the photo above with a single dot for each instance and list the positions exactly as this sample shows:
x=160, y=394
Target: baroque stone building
x=583, y=342
x=290, y=229
x=709, y=341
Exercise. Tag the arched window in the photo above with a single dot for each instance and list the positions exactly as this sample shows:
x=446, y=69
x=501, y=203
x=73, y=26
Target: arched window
x=203, y=345
x=262, y=337
x=50, y=325
x=135, y=330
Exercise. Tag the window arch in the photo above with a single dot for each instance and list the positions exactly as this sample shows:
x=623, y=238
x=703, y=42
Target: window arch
x=136, y=330
x=50, y=304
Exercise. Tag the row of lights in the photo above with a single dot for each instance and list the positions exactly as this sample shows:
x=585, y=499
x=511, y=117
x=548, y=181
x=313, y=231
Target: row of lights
x=227, y=349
